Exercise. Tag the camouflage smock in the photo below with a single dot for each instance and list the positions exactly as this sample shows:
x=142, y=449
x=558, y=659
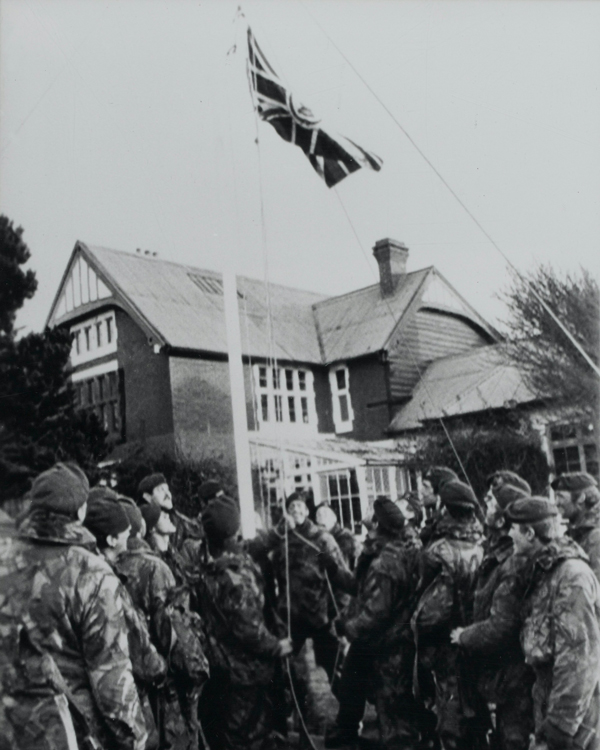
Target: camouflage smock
x=561, y=641
x=232, y=602
x=61, y=602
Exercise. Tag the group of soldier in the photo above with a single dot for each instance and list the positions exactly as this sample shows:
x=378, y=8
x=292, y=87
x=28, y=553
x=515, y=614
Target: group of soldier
x=467, y=623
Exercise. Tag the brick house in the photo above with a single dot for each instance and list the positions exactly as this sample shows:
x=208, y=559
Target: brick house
x=325, y=377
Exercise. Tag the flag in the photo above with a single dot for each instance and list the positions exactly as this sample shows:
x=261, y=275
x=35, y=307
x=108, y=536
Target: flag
x=332, y=155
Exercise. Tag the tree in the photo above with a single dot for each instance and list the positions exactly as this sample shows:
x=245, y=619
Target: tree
x=486, y=442
x=16, y=285
x=551, y=364
x=39, y=424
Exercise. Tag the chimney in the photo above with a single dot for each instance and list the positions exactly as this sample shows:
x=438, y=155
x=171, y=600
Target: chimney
x=391, y=257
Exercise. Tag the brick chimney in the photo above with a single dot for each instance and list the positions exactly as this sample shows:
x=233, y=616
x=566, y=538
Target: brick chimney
x=391, y=256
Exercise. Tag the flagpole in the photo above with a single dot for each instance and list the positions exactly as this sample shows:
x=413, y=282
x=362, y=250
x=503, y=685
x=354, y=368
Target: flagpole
x=238, y=405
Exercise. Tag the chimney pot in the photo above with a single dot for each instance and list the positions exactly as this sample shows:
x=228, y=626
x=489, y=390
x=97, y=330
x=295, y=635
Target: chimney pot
x=391, y=256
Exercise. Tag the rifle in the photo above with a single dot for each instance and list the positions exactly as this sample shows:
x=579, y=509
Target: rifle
x=54, y=676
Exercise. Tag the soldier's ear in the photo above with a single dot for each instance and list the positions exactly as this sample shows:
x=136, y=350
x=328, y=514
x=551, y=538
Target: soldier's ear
x=111, y=541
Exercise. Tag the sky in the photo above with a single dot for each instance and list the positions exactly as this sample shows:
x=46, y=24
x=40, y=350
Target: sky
x=129, y=124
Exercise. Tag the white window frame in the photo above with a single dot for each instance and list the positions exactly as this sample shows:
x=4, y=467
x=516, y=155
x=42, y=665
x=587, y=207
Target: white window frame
x=341, y=425
x=304, y=418
x=80, y=352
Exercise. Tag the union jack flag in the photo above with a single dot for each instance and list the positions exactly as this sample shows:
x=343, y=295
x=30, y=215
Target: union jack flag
x=333, y=156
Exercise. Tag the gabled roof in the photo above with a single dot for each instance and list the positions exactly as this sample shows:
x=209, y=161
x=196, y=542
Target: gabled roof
x=182, y=306
x=361, y=322
x=464, y=384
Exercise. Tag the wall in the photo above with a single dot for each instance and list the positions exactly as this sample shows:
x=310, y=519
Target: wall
x=323, y=399
x=148, y=412
x=428, y=335
x=369, y=396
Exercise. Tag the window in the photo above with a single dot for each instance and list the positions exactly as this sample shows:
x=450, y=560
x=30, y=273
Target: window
x=340, y=490
x=284, y=395
x=94, y=338
x=339, y=381
x=278, y=409
x=574, y=447
x=102, y=394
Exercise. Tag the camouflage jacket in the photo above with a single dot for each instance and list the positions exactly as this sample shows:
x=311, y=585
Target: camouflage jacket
x=232, y=602
x=150, y=582
x=346, y=541
x=561, y=641
x=494, y=639
x=447, y=584
x=380, y=614
x=149, y=667
x=61, y=606
x=586, y=532
x=314, y=557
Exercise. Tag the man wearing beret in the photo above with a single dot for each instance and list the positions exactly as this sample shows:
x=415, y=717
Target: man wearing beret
x=433, y=479
x=560, y=635
x=154, y=489
x=109, y=522
x=315, y=562
x=578, y=500
x=63, y=640
x=377, y=625
x=236, y=709
x=448, y=573
x=492, y=642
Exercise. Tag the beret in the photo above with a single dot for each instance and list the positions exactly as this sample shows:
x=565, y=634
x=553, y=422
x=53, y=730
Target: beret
x=208, y=490
x=150, y=482
x=531, y=510
x=437, y=475
x=510, y=477
x=62, y=489
x=388, y=514
x=507, y=494
x=574, y=481
x=151, y=514
x=456, y=494
x=101, y=492
x=221, y=518
x=295, y=496
x=134, y=514
x=106, y=518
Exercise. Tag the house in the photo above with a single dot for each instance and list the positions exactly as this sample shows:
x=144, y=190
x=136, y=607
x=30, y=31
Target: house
x=485, y=380
x=325, y=377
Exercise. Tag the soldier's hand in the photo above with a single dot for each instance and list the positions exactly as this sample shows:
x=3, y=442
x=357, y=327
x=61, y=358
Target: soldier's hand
x=285, y=647
x=455, y=636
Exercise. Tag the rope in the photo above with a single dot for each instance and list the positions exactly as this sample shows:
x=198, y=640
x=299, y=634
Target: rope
x=462, y=204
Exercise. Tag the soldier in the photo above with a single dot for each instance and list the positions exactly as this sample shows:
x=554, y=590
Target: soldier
x=315, y=566
x=236, y=709
x=154, y=590
x=378, y=622
x=109, y=522
x=154, y=488
x=448, y=569
x=327, y=519
x=64, y=652
x=492, y=642
x=433, y=479
x=578, y=500
x=504, y=476
x=560, y=634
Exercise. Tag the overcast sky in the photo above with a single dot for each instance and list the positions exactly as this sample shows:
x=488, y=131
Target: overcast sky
x=126, y=123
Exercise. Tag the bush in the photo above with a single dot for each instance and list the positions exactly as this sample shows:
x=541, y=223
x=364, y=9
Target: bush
x=183, y=474
x=486, y=444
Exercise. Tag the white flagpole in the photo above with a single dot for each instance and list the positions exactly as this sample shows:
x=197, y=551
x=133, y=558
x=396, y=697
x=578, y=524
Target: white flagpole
x=238, y=405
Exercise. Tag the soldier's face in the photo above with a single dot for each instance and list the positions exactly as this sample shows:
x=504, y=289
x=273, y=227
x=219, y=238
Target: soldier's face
x=523, y=538
x=165, y=525
x=298, y=511
x=428, y=494
x=119, y=541
x=161, y=496
x=326, y=518
x=564, y=500
x=492, y=507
